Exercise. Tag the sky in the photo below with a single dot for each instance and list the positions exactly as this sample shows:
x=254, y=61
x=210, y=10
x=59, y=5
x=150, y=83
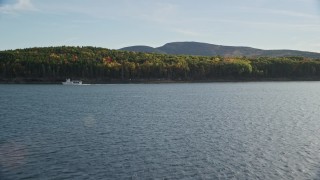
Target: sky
x=113, y=24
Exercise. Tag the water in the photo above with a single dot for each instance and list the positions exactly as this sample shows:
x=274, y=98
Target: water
x=161, y=131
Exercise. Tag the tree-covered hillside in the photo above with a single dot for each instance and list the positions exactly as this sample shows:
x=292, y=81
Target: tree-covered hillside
x=90, y=63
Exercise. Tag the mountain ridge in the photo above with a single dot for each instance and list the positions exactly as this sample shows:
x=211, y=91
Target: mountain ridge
x=207, y=49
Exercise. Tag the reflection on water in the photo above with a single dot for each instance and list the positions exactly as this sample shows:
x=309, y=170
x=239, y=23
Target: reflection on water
x=12, y=155
x=89, y=121
x=174, y=131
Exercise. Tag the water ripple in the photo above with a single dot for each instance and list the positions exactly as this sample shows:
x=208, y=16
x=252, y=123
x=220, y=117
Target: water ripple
x=163, y=131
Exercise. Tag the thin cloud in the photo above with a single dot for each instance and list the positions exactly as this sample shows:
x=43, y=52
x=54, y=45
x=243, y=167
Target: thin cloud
x=154, y=12
x=282, y=12
x=291, y=13
x=162, y=13
x=19, y=6
x=187, y=32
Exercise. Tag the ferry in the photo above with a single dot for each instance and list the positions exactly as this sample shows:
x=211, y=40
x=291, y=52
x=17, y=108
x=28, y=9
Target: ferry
x=73, y=82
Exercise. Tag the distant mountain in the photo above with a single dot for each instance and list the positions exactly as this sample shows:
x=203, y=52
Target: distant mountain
x=145, y=49
x=205, y=49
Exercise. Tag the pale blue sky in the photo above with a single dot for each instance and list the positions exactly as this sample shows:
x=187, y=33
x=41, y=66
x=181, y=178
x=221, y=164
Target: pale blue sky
x=265, y=24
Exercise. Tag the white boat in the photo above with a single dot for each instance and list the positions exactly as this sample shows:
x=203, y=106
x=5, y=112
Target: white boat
x=73, y=82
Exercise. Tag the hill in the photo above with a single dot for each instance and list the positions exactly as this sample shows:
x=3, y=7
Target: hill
x=144, y=49
x=100, y=65
x=205, y=49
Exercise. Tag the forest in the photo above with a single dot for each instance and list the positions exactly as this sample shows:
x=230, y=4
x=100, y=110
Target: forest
x=54, y=64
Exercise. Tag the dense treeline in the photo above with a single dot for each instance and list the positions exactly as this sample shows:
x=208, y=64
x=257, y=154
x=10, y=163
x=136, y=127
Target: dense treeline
x=56, y=63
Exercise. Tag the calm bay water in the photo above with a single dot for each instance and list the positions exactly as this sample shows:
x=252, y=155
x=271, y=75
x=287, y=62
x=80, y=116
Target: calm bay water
x=266, y=130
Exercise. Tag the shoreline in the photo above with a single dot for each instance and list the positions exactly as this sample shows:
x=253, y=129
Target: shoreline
x=150, y=81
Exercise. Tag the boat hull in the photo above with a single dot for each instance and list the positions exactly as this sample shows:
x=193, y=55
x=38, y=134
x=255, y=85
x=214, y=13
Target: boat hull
x=69, y=82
